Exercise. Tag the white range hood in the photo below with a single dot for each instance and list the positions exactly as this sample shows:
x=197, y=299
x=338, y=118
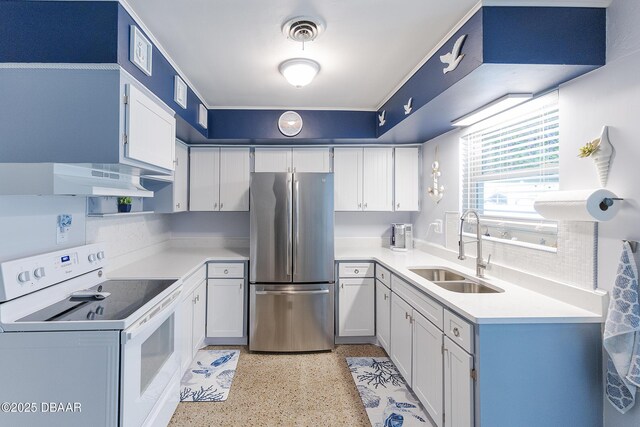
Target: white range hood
x=68, y=180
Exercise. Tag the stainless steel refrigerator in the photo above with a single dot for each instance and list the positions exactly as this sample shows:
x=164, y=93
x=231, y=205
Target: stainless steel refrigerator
x=291, y=262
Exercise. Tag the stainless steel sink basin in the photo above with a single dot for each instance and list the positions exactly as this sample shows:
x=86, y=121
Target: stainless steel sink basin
x=438, y=274
x=455, y=282
x=468, y=287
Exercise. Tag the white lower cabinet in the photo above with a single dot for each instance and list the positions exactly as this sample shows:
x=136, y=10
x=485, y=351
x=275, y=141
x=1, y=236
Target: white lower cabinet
x=383, y=314
x=192, y=317
x=427, y=367
x=458, y=385
x=401, y=336
x=356, y=307
x=225, y=308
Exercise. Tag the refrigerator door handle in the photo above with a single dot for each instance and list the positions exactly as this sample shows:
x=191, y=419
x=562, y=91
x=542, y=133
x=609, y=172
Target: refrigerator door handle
x=297, y=226
x=318, y=292
x=289, y=203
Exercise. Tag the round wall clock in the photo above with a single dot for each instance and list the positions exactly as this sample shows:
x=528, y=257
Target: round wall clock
x=290, y=123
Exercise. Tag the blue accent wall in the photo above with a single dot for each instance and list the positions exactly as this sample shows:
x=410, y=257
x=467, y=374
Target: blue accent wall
x=58, y=32
x=507, y=50
x=429, y=81
x=317, y=124
x=161, y=81
x=544, y=35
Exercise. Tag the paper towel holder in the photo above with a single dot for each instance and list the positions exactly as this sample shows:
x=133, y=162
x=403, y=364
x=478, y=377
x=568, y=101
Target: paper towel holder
x=607, y=202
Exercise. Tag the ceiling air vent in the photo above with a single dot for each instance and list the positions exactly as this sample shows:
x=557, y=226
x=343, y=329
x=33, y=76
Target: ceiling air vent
x=302, y=29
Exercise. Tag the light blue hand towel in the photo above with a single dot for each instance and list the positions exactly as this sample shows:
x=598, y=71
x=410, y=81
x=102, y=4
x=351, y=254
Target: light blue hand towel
x=622, y=334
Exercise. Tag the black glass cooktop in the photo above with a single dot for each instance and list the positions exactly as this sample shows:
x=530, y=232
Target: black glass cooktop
x=126, y=296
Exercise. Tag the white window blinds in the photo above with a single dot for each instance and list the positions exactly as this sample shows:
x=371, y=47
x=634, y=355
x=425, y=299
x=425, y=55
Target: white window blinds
x=509, y=159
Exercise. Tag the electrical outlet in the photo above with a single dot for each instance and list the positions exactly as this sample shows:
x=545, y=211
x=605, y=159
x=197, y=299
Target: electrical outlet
x=437, y=226
x=62, y=230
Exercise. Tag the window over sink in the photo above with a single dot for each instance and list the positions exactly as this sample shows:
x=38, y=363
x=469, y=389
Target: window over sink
x=506, y=162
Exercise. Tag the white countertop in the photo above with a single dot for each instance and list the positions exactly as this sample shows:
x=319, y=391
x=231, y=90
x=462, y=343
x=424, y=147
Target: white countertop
x=515, y=305
x=175, y=263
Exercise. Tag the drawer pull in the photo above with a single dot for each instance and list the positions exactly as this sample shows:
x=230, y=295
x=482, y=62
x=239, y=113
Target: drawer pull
x=356, y=271
x=382, y=275
x=226, y=271
x=456, y=332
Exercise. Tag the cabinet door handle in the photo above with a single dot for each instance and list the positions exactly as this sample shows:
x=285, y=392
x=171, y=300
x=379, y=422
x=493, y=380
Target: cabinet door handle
x=359, y=205
x=365, y=206
x=406, y=315
x=398, y=205
x=178, y=205
x=386, y=296
x=215, y=206
x=221, y=205
x=226, y=271
x=382, y=275
x=342, y=286
x=456, y=332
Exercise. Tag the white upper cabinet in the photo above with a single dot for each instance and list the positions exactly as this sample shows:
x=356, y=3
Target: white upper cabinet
x=170, y=197
x=347, y=177
x=234, y=179
x=181, y=178
x=219, y=179
x=204, y=179
x=311, y=160
x=273, y=160
x=377, y=193
x=292, y=159
x=407, y=179
x=363, y=179
x=150, y=129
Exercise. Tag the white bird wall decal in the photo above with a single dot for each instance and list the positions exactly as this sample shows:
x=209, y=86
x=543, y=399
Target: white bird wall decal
x=408, y=107
x=381, y=119
x=453, y=58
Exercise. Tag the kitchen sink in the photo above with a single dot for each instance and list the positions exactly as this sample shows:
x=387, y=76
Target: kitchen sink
x=455, y=282
x=438, y=274
x=468, y=287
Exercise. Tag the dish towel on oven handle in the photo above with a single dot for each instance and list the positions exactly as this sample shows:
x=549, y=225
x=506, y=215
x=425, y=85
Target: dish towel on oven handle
x=622, y=334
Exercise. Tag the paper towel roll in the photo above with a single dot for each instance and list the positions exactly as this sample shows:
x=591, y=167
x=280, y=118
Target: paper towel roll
x=580, y=205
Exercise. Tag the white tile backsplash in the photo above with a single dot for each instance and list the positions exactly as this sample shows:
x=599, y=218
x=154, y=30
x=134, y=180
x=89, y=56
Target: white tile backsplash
x=574, y=263
x=124, y=234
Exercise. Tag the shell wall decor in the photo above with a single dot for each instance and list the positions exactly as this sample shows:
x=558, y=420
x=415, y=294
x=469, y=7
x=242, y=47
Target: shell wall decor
x=603, y=155
x=436, y=191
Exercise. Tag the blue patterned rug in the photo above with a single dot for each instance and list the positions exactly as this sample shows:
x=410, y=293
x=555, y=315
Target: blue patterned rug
x=209, y=377
x=386, y=397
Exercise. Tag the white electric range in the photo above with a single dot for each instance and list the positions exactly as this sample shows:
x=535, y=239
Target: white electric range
x=77, y=349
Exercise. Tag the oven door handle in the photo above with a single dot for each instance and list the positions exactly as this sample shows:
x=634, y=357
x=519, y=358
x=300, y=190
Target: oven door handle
x=154, y=317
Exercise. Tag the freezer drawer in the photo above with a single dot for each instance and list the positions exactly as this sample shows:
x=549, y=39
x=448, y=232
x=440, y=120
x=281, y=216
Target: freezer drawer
x=289, y=318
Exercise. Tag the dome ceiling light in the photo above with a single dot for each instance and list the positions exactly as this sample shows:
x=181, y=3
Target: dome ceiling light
x=299, y=72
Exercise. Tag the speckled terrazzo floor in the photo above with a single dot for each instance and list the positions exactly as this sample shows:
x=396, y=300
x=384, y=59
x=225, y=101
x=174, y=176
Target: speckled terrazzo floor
x=311, y=389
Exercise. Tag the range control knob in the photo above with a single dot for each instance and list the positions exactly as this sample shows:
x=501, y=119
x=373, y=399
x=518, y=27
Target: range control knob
x=91, y=315
x=100, y=310
x=38, y=273
x=100, y=255
x=92, y=257
x=24, y=277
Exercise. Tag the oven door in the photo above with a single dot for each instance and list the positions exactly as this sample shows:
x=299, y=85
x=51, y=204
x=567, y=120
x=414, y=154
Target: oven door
x=150, y=363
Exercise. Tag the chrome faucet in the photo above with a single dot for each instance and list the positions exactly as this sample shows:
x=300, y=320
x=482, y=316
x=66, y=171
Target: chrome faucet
x=481, y=266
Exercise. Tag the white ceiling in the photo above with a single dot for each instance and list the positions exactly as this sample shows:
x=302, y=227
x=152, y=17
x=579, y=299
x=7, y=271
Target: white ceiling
x=230, y=49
